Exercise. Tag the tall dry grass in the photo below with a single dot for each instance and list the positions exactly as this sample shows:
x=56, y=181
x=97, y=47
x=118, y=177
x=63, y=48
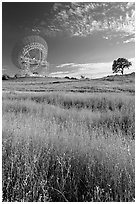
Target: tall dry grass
x=54, y=151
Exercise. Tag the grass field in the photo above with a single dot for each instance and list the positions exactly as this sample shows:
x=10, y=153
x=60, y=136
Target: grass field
x=65, y=146
x=115, y=83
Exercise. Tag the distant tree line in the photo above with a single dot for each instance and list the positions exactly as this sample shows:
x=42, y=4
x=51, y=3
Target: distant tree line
x=73, y=78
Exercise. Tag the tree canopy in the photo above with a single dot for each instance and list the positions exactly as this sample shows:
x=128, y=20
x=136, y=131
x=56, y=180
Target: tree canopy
x=5, y=77
x=120, y=64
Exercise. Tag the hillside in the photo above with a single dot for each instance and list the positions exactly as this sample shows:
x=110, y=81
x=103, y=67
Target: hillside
x=62, y=145
x=115, y=83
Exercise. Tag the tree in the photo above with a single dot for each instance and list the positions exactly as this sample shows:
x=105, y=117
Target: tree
x=35, y=73
x=66, y=77
x=120, y=64
x=82, y=77
x=5, y=77
x=17, y=76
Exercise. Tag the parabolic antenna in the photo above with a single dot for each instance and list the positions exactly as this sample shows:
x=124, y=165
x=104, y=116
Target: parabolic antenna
x=30, y=54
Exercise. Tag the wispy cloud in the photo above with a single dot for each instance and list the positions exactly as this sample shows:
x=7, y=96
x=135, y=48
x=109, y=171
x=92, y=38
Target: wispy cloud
x=60, y=73
x=130, y=40
x=64, y=65
x=91, y=70
x=4, y=67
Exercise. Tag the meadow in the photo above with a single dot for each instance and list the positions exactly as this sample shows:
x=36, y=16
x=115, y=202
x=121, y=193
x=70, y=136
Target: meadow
x=69, y=144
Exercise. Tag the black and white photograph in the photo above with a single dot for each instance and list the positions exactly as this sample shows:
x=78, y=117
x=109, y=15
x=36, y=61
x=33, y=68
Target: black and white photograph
x=68, y=101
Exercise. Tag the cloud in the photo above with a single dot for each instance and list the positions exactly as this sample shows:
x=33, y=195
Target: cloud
x=56, y=5
x=4, y=67
x=106, y=37
x=130, y=4
x=59, y=73
x=91, y=70
x=116, y=19
x=64, y=65
x=82, y=19
x=130, y=40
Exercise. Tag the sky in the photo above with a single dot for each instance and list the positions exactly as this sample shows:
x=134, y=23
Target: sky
x=83, y=38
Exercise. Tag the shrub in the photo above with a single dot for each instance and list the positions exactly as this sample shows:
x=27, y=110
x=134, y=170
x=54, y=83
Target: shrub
x=5, y=77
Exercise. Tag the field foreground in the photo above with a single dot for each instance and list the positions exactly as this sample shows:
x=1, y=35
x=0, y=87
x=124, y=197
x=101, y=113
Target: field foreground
x=65, y=146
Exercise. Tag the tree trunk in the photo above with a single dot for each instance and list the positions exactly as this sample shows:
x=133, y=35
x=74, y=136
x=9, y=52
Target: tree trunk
x=122, y=71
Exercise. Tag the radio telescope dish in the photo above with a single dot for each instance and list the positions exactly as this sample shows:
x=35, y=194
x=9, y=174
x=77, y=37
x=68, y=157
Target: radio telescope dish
x=30, y=54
